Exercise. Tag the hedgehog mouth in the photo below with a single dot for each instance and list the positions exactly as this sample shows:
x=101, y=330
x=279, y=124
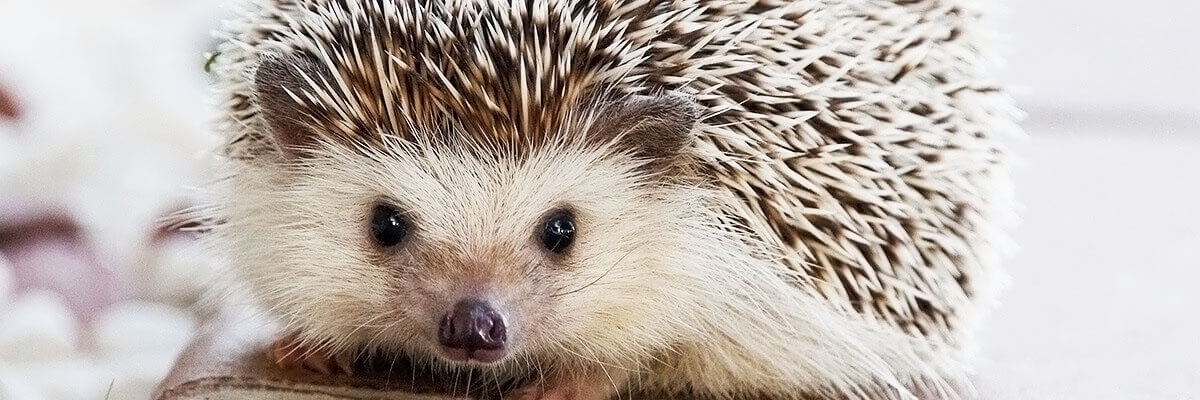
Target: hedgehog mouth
x=473, y=379
x=472, y=356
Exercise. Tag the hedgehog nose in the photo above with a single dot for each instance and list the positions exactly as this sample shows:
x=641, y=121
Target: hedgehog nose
x=474, y=330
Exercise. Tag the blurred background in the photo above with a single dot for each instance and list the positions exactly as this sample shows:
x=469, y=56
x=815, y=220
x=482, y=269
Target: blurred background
x=103, y=129
x=104, y=120
x=1106, y=281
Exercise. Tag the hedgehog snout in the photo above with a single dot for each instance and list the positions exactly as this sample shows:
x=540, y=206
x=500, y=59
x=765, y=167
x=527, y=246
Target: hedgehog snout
x=473, y=330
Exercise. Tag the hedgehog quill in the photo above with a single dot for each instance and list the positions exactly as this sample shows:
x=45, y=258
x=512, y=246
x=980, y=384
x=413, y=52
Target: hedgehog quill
x=694, y=198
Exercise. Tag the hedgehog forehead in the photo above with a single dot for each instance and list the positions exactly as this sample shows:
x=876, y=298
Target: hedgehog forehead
x=501, y=71
x=464, y=197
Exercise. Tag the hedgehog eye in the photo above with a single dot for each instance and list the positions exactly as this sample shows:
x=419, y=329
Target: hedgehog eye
x=388, y=226
x=558, y=232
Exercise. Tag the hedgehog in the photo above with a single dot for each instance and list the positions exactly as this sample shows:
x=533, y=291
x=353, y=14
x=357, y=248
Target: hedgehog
x=623, y=198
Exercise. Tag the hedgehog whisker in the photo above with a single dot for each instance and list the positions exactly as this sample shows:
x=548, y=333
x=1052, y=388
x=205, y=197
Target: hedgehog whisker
x=594, y=281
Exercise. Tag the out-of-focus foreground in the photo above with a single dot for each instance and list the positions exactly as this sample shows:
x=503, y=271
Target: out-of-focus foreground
x=103, y=125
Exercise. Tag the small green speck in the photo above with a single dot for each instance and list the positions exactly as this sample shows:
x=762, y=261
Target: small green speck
x=209, y=59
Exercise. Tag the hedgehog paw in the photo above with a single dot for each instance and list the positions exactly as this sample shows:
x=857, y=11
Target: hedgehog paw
x=290, y=353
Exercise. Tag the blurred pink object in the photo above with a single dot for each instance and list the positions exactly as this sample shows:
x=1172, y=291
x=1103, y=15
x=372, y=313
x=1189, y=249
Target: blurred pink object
x=9, y=109
x=45, y=249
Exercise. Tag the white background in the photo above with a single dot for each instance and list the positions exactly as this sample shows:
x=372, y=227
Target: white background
x=1103, y=303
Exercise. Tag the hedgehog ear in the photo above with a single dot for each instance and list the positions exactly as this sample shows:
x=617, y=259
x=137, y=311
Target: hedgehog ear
x=279, y=87
x=657, y=128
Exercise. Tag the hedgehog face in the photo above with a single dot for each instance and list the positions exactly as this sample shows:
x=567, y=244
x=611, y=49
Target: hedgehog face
x=471, y=254
x=440, y=253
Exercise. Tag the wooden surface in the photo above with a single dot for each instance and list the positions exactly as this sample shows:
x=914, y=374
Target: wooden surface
x=227, y=360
